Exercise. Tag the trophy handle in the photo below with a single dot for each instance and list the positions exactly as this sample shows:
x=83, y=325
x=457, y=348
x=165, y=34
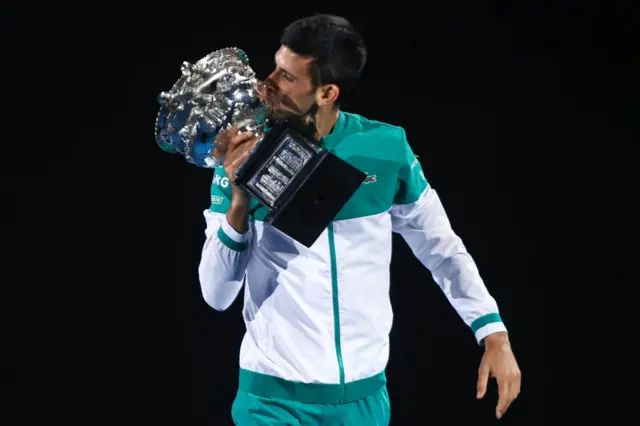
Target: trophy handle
x=210, y=80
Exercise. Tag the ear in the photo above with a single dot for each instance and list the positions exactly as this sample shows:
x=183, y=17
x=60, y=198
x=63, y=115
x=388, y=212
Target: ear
x=327, y=94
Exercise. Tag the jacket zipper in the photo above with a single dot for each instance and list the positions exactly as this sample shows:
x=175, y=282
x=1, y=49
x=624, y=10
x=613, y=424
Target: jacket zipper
x=336, y=310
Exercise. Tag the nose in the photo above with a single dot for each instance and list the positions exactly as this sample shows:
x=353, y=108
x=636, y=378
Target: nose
x=267, y=89
x=270, y=82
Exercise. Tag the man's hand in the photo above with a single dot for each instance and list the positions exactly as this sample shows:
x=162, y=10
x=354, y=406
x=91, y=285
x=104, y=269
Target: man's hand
x=498, y=361
x=236, y=148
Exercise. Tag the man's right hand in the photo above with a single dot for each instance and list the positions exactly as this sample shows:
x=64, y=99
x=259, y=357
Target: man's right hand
x=237, y=147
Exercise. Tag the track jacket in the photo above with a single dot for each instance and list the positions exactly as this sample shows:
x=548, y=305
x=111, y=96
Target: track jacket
x=318, y=319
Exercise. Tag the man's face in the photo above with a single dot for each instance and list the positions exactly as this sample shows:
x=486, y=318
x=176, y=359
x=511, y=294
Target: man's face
x=289, y=88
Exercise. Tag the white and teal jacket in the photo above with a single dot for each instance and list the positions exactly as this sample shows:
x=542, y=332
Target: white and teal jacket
x=318, y=319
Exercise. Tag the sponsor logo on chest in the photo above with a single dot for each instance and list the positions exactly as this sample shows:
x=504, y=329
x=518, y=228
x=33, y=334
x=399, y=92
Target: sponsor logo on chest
x=221, y=181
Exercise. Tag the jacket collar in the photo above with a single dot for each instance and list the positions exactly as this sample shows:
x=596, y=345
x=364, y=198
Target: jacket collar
x=329, y=141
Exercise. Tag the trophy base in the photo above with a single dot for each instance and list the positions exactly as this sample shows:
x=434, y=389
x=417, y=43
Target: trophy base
x=303, y=186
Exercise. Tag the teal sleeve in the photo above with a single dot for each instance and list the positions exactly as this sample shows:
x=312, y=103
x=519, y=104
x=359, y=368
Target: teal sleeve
x=220, y=191
x=411, y=179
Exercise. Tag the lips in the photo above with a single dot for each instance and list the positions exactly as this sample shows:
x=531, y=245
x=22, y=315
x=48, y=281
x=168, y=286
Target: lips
x=265, y=92
x=280, y=106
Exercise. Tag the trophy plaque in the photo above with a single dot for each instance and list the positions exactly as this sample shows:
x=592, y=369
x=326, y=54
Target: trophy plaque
x=303, y=186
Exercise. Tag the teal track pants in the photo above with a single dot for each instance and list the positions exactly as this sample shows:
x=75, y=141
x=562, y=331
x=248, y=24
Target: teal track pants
x=250, y=410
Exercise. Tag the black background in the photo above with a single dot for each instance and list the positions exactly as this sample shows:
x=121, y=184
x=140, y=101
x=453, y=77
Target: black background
x=514, y=111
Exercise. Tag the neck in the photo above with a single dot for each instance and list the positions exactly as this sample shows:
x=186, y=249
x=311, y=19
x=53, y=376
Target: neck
x=325, y=120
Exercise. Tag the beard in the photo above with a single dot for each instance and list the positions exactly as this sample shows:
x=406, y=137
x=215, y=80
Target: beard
x=279, y=114
x=304, y=122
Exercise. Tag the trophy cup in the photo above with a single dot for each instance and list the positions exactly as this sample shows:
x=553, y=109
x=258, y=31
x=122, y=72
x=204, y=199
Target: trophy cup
x=301, y=184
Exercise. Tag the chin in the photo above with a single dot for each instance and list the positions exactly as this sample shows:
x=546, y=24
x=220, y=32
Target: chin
x=281, y=114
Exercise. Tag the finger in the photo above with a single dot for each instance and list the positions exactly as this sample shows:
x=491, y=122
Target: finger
x=250, y=142
x=243, y=146
x=483, y=378
x=224, y=135
x=218, y=152
x=240, y=138
x=241, y=149
x=514, y=389
x=235, y=165
x=238, y=161
x=504, y=410
x=504, y=397
x=229, y=139
x=517, y=384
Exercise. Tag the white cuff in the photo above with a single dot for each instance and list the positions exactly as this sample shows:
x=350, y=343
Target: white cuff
x=488, y=329
x=232, y=233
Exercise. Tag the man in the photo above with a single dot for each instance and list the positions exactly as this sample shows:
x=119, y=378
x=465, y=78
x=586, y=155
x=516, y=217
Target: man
x=318, y=319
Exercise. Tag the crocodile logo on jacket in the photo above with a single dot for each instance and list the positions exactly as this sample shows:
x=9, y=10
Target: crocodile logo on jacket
x=369, y=178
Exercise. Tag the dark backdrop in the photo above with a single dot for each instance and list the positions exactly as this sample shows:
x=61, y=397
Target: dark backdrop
x=106, y=229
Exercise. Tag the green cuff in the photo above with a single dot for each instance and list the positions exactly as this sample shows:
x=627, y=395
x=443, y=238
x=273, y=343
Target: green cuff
x=484, y=320
x=229, y=242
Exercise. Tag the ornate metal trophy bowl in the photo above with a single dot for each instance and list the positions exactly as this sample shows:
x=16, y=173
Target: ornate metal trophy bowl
x=301, y=184
x=212, y=95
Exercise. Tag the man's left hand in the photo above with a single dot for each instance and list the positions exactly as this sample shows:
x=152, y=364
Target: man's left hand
x=498, y=361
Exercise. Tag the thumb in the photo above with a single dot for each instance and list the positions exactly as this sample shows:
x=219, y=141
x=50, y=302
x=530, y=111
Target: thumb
x=483, y=378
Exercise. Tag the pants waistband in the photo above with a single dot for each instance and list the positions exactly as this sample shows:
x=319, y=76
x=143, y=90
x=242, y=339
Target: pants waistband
x=320, y=393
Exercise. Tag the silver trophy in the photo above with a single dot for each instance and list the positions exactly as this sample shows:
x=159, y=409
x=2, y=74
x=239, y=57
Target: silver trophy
x=302, y=185
x=212, y=95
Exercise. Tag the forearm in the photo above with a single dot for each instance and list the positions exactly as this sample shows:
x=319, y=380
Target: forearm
x=238, y=213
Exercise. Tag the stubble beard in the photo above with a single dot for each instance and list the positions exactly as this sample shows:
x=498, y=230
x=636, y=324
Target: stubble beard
x=305, y=121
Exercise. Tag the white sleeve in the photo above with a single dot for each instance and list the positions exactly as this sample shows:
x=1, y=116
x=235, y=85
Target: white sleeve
x=225, y=252
x=419, y=216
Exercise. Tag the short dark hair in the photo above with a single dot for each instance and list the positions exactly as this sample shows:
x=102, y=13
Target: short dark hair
x=337, y=48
